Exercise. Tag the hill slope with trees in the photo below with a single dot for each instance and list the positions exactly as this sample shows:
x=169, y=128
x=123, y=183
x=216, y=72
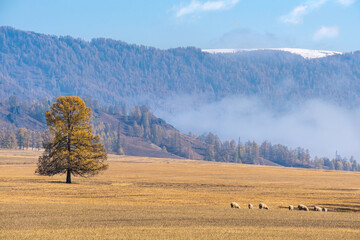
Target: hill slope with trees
x=140, y=133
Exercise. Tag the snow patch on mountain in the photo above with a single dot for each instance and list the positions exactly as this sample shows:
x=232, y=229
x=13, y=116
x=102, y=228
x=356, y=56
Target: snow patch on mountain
x=305, y=53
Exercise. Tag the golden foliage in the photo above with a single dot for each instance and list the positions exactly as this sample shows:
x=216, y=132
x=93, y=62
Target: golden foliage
x=73, y=148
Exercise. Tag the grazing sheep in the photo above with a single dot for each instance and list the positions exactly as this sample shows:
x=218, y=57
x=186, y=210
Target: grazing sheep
x=234, y=205
x=291, y=207
x=303, y=207
x=250, y=206
x=318, y=209
x=324, y=209
x=263, y=206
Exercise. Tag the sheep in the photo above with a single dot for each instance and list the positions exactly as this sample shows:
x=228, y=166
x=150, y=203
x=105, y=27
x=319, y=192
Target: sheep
x=324, y=209
x=250, y=206
x=263, y=206
x=291, y=207
x=303, y=207
x=234, y=205
x=318, y=209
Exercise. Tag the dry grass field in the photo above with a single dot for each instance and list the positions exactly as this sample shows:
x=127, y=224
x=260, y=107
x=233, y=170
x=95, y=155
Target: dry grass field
x=148, y=198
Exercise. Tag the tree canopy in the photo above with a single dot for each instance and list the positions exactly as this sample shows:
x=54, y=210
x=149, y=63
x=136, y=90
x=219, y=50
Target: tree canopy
x=73, y=149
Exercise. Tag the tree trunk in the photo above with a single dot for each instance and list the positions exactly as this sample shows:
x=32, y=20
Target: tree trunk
x=68, y=176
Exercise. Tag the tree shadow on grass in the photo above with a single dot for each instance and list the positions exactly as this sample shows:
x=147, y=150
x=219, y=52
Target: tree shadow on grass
x=39, y=180
x=60, y=182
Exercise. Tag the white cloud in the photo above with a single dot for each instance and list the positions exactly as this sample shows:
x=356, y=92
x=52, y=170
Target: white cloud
x=326, y=32
x=346, y=2
x=316, y=125
x=196, y=6
x=297, y=14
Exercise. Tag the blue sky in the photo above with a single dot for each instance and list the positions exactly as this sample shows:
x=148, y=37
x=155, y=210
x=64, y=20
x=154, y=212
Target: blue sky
x=313, y=24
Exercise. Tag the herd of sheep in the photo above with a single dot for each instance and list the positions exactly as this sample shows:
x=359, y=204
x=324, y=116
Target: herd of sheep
x=291, y=207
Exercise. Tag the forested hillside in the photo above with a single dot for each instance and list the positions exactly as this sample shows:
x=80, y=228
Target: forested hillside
x=138, y=132
x=35, y=66
x=135, y=132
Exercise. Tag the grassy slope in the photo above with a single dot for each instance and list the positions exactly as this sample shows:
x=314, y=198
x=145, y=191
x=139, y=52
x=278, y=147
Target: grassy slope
x=175, y=199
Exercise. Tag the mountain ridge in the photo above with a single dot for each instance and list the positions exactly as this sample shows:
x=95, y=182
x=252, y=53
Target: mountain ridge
x=34, y=66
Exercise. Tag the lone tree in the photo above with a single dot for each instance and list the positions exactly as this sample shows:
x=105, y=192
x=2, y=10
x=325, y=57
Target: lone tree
x=73, y=149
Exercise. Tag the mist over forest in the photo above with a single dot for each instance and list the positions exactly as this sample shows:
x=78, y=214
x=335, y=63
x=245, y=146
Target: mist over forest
x=322, y=127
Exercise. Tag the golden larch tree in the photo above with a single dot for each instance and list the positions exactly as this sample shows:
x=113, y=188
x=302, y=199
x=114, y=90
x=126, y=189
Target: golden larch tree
x=73, y=149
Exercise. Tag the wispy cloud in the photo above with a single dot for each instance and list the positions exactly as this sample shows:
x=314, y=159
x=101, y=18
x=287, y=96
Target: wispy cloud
x=297, y=14
x=346, y=2
x=326, y=32
x=196, y=6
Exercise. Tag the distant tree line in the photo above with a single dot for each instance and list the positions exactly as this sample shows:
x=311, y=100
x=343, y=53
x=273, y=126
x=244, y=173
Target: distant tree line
x=22, y=138
x=253, y=153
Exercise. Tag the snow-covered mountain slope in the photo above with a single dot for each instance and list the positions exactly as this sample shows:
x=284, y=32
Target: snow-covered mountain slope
x=305, y=53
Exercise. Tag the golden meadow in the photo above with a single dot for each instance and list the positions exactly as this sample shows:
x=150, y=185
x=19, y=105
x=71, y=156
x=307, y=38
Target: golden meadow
x=150, y=198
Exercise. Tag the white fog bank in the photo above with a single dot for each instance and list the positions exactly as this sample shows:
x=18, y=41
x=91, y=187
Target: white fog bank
x=315, y=125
